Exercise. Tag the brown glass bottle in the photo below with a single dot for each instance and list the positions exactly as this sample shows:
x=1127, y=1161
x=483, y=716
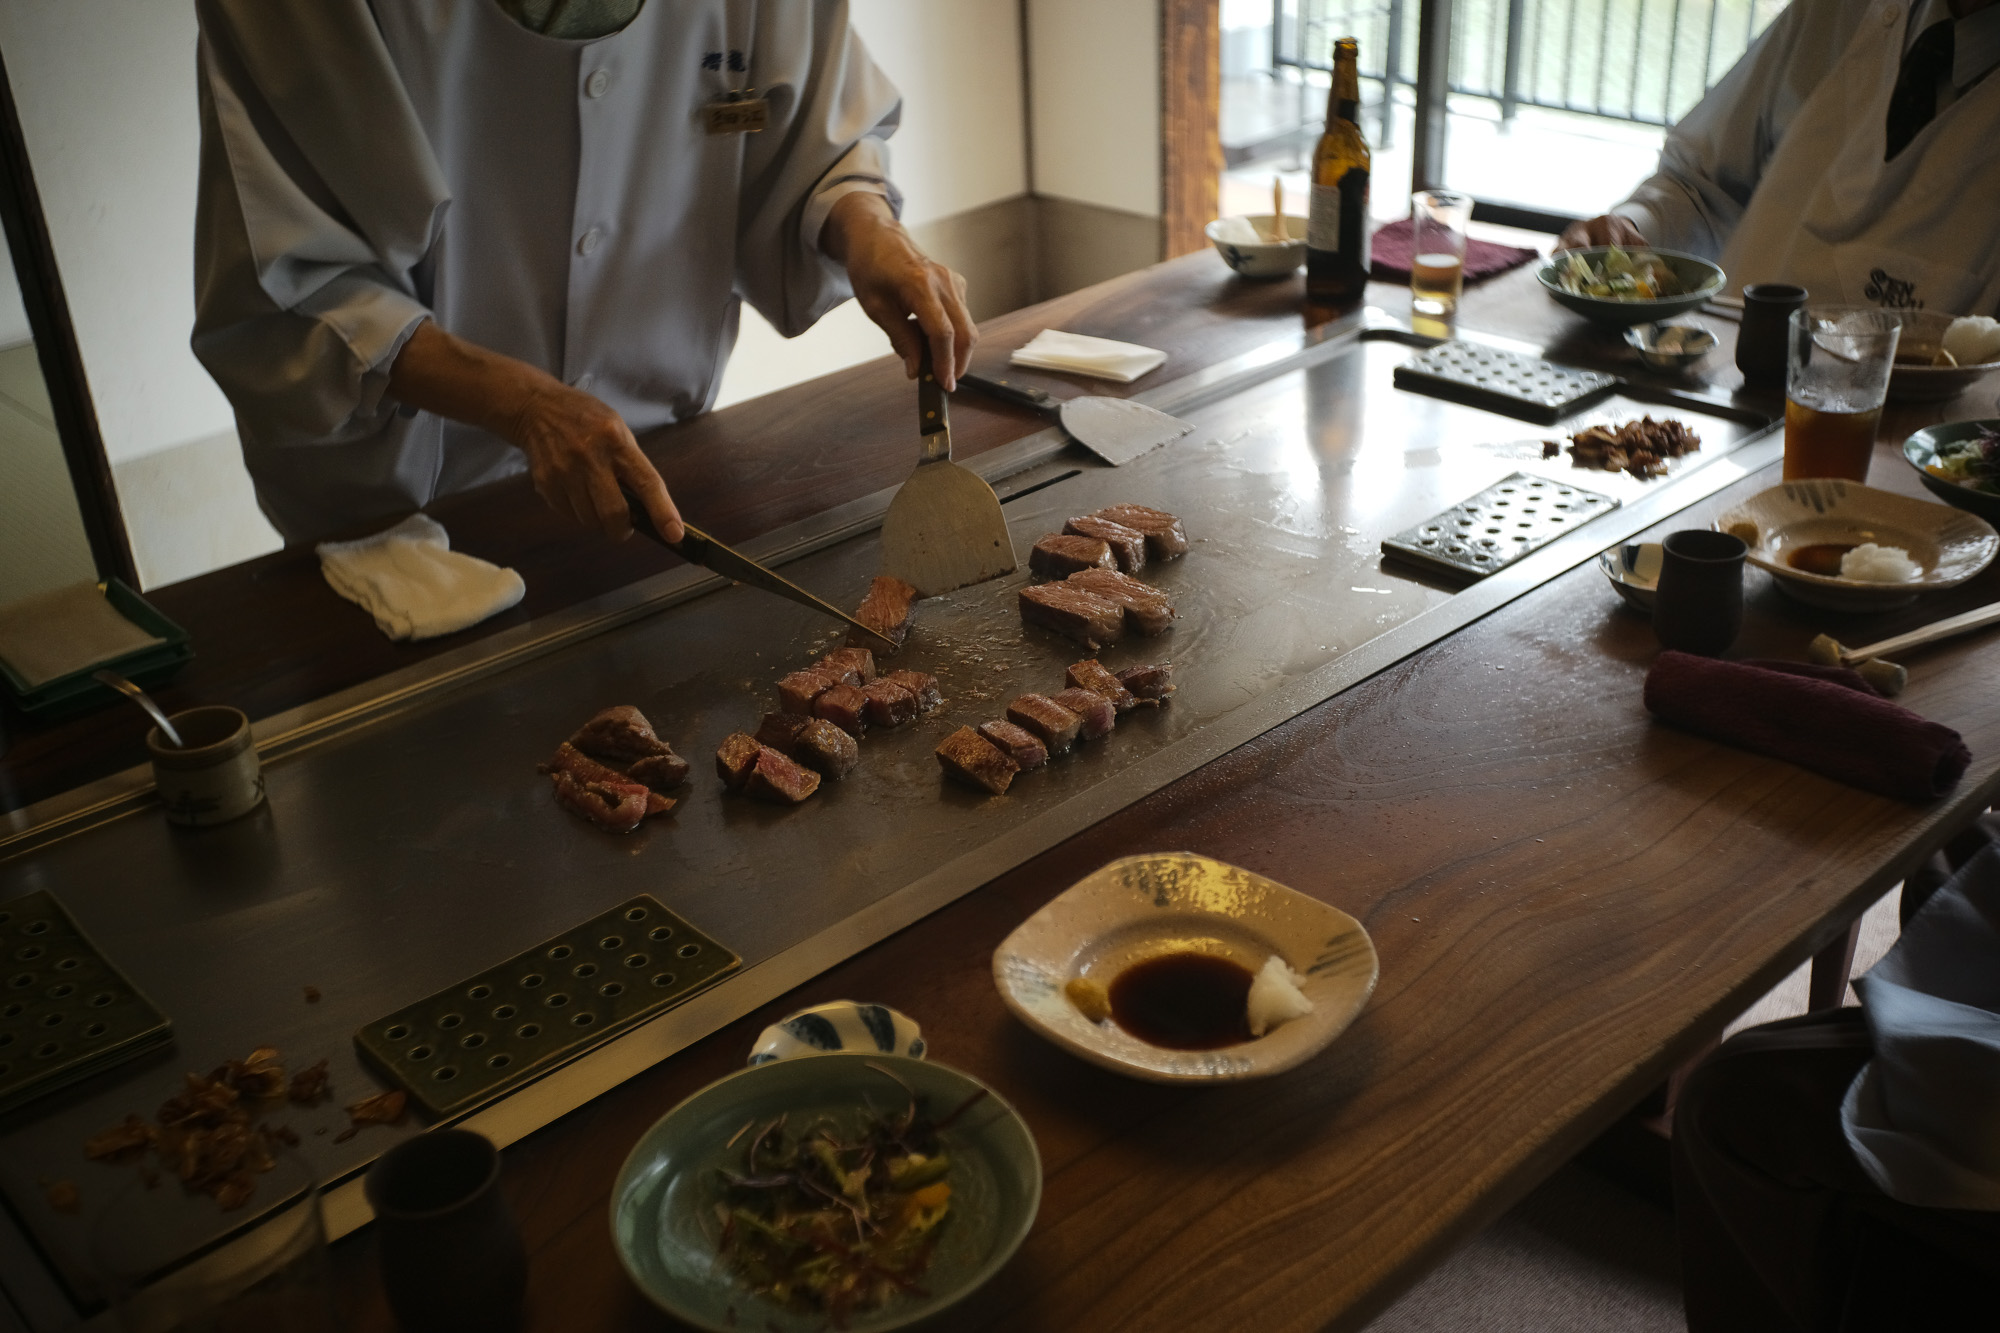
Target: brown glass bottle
x=1337, y=230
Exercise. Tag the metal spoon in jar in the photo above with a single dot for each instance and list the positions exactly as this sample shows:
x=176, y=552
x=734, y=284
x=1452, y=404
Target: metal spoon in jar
x=144, y=700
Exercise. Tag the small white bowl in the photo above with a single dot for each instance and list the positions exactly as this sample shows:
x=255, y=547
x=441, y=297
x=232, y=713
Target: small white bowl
x=1634, y=570
x=1689, y=341
x=1915, y=380
x=1263, y=259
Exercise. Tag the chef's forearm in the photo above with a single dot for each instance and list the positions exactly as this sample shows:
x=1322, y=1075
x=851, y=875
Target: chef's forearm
x=851, y=213
x=439, y=373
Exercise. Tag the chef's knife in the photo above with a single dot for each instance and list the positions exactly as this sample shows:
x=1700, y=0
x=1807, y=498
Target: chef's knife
x=1117, y=430
x=698, y=548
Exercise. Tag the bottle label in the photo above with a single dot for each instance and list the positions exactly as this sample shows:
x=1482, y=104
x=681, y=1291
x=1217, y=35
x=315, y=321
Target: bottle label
x=1365, y=230
x=1323, y=219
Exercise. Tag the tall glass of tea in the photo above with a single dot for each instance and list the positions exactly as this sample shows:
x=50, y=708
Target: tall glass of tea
x=1836, y=377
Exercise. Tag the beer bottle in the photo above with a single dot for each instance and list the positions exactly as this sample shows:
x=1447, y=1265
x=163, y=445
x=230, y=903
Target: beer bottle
x=1337, y=229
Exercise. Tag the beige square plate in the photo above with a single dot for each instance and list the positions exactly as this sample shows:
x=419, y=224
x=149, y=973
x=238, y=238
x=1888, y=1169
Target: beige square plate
x=1168, y=902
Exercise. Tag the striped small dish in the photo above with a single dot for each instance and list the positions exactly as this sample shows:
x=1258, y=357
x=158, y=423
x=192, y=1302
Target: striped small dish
x=840, y=1025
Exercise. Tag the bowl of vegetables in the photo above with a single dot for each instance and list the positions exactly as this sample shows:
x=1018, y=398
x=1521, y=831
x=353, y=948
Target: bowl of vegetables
x=854, y=1190
x=1620, y=288
x=1959, y=462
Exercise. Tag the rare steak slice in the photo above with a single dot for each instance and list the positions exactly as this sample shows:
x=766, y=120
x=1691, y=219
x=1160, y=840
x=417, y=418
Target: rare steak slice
x=797, y=691
x=1094, y=676
x=1017, y=744
x=1046, y=718
x=826, y=748
x=976, y=761
x=1150, y=685
x=781, y=731
x=619, y=735
x=1147, y=609
x=735, y=757
x=661, y=772
x=774, y=777
x=1165, y=538
x=568, y=759
x=852, y=666
x=1059, y=555
x=920, y=683
x=1073, y=612
x=845, y=707
x=1128, y=545
x=889, y=704
x=885, y=609
x=615, y=807
x=1093, y=711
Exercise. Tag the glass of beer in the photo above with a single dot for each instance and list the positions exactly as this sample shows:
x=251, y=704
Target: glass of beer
x=1837, y=361
x=1437, y=250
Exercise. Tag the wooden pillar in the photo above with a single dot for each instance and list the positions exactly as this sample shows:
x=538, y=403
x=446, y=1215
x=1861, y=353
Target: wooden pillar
x=1190, y=121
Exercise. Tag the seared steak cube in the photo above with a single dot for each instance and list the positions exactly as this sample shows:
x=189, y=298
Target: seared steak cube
x=976, y=761
x=851, y=666
x=797, y=691
x=823, y=746
x=845, y=707
x=776, y=778
x=1094, y=676
x=1059, y=555
x=1128, y=545
x=1073, y=612
x=1094, y=712
x=889, y=704
x=1046, y=718
x=1165, y=537
x=920, y=683
x=1150, y=685
x=1017, y=744
x=886, y=609
x=1147, y=609
x=735, y=757
x=781, y=731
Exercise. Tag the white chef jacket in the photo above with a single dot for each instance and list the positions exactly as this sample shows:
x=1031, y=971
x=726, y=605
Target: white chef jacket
x=369, y=164
x=1778, y=173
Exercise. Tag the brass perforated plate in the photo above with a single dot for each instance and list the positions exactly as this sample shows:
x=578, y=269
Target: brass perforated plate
x=1513, y=517
x=479, y=1039
x=65, y=1011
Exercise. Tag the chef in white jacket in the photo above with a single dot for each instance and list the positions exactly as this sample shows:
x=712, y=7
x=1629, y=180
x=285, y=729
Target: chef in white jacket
x=1854, y=150
x=441, y=241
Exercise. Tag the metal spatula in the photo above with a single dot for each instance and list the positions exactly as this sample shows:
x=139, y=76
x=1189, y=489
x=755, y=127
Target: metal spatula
x=1117, y=430
x=944, y=529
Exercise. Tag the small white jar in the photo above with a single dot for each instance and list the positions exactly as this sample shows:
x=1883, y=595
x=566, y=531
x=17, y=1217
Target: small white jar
x=214, y=777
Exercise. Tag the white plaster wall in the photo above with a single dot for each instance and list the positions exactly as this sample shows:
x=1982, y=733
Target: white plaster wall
x=1094, y=73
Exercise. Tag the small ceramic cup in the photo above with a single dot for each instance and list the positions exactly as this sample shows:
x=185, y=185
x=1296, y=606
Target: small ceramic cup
x=452, y=1257
x=1761, y=341
x=1698, y=606
x=214, y=776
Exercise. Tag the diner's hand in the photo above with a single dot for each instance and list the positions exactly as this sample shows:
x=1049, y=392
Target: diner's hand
x=1606, y=229
x=578, y=449
x=911, y=296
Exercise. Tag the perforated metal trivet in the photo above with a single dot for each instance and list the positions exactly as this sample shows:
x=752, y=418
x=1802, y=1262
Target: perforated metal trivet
x=1501, y=381
x=475, y=1041
x=1493, y=529
x=67, y=1012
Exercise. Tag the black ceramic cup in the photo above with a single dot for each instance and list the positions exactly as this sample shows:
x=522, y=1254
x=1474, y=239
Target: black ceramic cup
x=1760, y=343
x=452, y=1258
x=1698, y=605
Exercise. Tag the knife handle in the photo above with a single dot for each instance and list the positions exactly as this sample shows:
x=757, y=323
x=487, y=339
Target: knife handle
x=1021, y=395
x=933, y=413
x=642, y=523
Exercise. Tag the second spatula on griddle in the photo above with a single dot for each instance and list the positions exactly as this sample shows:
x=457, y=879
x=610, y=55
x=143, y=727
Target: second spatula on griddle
x=944, y=528
x=1117, y=430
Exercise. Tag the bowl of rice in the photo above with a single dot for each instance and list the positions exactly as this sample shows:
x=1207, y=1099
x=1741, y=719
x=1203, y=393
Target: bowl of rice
x=1848, y=547
x=1939, y=357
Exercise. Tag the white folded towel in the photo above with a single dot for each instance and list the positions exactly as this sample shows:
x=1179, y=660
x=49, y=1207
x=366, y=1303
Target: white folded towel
x=1052, y=349
x=414, y=584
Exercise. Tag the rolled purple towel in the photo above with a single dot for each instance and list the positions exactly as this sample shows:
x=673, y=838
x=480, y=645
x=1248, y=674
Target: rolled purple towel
x=1815, y=718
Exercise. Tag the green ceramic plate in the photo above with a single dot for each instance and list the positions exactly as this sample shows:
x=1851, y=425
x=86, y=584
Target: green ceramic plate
x=662, y=1215
x=1700, y=278
x=1921, y=450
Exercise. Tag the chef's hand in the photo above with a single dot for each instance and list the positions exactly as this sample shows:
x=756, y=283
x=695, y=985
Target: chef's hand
x=1608, y=229
x=913, y=298
x=578, y=449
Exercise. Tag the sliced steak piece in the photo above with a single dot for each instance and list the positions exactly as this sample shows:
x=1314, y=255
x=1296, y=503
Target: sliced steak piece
x=853, y=666
x=845, y=707
x=568, y=759
x=827, y=748
x=1074, y=612
x=735, y=757
x=1059, y=555
x=657, y=805
x=1165, y=538
x=889, y=704
x=1094, y=676
x=781, y=731
x=615, y=807
x=1093, y=711
x=920, y=683
x=661, y=772
x=1128, y=545
x=1150, y=685
x=619, y=735
x=1046, y=718
x=976, y=761
x=797, y=691
x=776, y=778
x=886, y=608
x=1147, y=609
x=1017, y=744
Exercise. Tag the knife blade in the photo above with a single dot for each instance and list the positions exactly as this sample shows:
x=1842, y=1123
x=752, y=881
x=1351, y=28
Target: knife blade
x=698, y=548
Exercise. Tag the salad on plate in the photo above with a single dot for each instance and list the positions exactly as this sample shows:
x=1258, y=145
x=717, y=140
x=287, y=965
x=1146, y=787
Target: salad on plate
x=1616, y=275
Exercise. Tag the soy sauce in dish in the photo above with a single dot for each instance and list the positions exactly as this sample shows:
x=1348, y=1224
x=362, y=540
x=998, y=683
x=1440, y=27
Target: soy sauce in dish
x=1184, y=1001
x=1823, y=558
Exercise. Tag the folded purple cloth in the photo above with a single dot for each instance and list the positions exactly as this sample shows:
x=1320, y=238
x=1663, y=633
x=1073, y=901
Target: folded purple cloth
x=1390, y=257
x=1814, y=717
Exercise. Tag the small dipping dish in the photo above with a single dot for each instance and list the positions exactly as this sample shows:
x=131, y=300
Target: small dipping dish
x=1634, y=570
x=1671, y=344
x=214, y=776
x=1245, y=245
